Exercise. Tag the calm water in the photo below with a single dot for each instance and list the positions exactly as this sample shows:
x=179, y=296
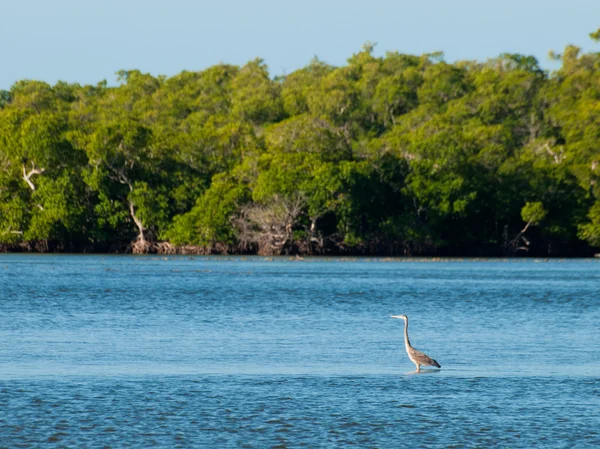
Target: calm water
x=140, y=352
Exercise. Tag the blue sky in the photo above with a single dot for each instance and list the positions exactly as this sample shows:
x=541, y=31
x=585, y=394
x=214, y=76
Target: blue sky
x=86, y=42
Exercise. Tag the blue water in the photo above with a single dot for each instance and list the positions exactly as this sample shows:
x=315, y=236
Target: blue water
x=141, y=352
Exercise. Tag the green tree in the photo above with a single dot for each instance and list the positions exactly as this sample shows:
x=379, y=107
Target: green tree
x=39, y=187
x=256, y=98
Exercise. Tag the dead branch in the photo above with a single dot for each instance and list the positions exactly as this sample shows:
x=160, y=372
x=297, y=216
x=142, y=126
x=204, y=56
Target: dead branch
x=121, y=176
x=269, y=226
x=558, y=157
x=521, y=238
x=10, y=231
x=34, y=171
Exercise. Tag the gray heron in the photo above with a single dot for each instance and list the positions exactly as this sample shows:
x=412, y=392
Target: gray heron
x=417, y=357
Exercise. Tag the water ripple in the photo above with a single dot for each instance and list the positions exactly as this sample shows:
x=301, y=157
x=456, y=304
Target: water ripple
x=224, y=352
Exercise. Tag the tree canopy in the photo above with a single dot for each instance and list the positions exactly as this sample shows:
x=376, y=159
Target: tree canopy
x=387, y=155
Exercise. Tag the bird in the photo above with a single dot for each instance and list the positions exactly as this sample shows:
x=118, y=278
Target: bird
x=417, y=357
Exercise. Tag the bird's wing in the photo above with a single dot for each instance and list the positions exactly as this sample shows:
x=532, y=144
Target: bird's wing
x=423, y=359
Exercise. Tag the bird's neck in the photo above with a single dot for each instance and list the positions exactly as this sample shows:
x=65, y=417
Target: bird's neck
x=406, y=340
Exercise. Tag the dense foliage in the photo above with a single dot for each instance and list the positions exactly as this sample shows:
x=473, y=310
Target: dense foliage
x=387, y=155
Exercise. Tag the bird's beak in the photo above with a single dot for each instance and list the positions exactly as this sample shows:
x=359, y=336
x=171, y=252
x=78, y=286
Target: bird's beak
x=395, y=316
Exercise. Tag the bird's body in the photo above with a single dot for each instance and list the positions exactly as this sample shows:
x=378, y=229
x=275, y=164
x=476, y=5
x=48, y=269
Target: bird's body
x=417, y=357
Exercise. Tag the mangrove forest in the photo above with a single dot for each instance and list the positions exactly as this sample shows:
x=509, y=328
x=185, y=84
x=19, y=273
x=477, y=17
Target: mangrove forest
x=387, y=155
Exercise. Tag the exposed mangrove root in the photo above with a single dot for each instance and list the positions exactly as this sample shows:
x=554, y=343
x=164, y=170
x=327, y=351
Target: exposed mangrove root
x=141, y=246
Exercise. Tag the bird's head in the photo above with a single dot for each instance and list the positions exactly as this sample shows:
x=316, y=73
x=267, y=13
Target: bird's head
x=403, y=317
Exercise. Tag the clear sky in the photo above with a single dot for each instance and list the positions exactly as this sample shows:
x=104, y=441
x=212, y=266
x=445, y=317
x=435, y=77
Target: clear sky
x=86, y=42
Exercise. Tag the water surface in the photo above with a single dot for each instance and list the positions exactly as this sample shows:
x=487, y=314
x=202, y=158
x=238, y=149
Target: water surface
x=141, y=352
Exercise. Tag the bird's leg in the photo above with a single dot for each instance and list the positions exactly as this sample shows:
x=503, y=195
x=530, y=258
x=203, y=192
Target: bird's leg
x=418, y=367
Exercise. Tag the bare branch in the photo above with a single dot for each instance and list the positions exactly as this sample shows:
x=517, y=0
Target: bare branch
x=121, y=177
x=558, y=157
x=270, y=226
x=9, y=231
x=33, y=171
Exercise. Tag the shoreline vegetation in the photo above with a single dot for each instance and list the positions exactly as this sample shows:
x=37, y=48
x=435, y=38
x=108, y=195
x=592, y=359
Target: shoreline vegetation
x=399, y=155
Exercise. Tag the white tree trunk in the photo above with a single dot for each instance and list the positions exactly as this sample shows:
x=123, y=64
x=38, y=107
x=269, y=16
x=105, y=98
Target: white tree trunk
x=138, y=223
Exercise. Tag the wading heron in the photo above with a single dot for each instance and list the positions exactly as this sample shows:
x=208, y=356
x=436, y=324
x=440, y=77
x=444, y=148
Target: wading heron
x=417, y=357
